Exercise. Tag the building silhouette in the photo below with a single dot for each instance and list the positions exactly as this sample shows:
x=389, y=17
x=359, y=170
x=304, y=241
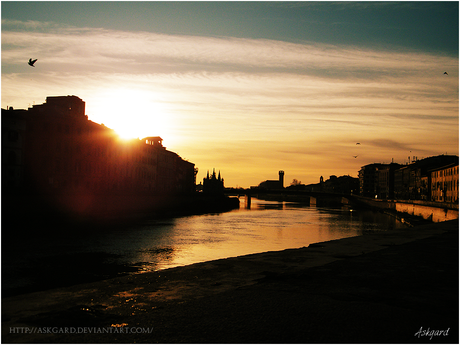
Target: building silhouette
x=430, y=179
x=377, y=180
x=13, y=136
x=274, y=184
x=53, y=150
x=343, y=184
x=213, y=185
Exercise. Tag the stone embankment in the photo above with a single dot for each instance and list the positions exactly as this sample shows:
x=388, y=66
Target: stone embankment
x=411, y=210
x=393, y=287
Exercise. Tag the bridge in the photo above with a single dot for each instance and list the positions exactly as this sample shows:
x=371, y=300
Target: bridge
x=313, y=198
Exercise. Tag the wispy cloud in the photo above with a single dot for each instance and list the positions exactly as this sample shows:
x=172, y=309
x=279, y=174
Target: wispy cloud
x=99, y=46
x=222, y=90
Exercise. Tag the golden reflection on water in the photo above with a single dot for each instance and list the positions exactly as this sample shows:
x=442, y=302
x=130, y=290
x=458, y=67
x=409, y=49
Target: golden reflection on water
x=268, y=226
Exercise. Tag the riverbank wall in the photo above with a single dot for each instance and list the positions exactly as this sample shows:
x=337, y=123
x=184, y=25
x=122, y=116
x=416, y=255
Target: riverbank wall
x=409, y=211
x=404, y=210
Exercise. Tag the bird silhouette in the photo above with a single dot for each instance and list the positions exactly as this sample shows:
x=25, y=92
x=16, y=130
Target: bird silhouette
x=355, y=156
x=31, y=62
x=446, y=73
x=358, y=143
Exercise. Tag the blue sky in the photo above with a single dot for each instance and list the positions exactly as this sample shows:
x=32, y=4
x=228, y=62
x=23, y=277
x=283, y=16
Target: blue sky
x=429, y=26
x=249, y=88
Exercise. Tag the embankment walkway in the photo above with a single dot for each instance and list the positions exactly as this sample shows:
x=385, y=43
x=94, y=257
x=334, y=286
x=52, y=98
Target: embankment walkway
x=392, y=287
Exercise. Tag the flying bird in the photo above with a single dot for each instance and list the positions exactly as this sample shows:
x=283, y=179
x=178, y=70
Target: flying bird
x=446, y=73
x=358, y=143
x=31, y=62
x=355, y=156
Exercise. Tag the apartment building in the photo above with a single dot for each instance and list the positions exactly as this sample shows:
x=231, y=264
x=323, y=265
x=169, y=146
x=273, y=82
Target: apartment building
x=413, y=181
x=444, y=183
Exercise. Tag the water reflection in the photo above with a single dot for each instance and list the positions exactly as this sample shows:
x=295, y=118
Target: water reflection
x=276, y=205
x=267, y=226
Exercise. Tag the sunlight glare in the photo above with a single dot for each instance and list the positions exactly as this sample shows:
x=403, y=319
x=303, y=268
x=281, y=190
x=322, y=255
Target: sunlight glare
x=134, y=114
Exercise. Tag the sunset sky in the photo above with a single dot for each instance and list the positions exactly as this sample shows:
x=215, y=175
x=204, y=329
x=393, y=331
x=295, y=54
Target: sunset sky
x=249, y=88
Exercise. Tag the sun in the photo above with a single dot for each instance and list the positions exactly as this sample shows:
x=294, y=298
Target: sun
x=128, y=132
x=134, y=114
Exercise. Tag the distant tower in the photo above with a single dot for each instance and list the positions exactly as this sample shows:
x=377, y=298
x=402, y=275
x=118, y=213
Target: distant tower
x=281, y=174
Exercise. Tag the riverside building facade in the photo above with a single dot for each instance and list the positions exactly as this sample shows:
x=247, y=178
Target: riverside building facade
x=430, y=179
x=54, y=149
x=444, y=184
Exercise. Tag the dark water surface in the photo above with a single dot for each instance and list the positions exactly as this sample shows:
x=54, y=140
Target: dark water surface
x=39, y=261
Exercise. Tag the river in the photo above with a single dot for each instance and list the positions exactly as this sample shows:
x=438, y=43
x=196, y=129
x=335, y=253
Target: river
x=72, y=257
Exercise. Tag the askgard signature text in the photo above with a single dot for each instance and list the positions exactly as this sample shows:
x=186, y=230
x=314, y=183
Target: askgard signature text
x=431, y=333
